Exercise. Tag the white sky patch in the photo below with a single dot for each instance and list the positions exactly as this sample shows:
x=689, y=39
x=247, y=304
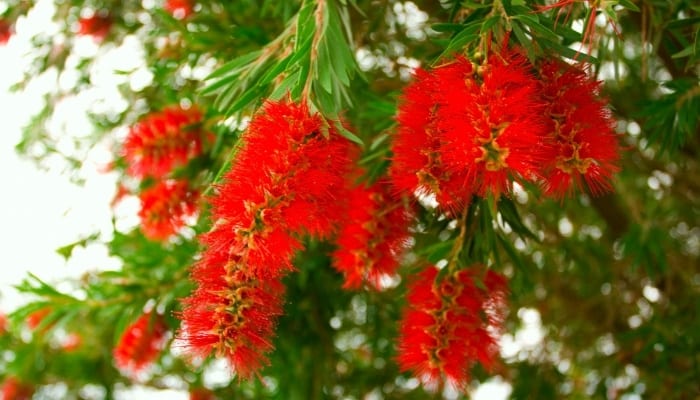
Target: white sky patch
x=41, y=210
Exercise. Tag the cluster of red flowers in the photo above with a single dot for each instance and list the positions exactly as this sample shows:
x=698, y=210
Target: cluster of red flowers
x=96, y=25
x=372, y=237
x=165, y=208
x=287, y=181
x=163, y=141
x=581, y=129
x=155, y=147
x=453, y=320
x=14, y=389
x=140, y=344
x=179, y=9
x=469, y=129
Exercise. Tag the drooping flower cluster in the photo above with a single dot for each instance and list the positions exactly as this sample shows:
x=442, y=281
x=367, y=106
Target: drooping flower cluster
x=453, y=320
x=373, y=236
x=154, y=148
x=165, y=208
x=490, y=118
x=140, y=344
x=163, y=141
x=96, y=25
x=581, y=128
x=287, y=181
x=468, y=129
x=179, y=9
x=417, y=164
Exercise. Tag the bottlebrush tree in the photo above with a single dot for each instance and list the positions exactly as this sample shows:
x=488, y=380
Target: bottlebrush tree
x=371, y=199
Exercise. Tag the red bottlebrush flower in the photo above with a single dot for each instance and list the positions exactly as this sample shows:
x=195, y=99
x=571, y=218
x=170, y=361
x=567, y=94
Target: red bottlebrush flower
x=202, y=394
x=232, y=315
x=288, y=179
x=373, y=236
x=96, y=25
x=6, y=31
x=581, y=128
x=163, y=141
x=466, y=129
x=416, y=163
x=451, y=323
x=14, y=389
x=492, y=122
x=165, y=208
x=179, y=9
x=140, y=344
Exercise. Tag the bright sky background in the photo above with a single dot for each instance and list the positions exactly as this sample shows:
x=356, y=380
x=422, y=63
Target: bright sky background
x=41, y=210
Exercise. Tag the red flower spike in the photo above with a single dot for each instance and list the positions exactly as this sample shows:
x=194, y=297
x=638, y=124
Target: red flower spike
x=96, y=25
x=288, y=180
x=6, y=31
x=165, y=208
x=179, y=9
x=582, y=130
x=234, y=318
x=140, y=344
x=373, y=236
x=163, y=141
x=492, y=123
x=416, y=164
x=451, y=323
x=13, y=389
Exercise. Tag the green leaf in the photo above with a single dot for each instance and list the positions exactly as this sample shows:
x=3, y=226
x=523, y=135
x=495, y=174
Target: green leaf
x=236, y=65
x=567, y=51
x=538, y=28
x=688, y=51
x=468, y=34
x=244, y=100
x=436, y=251
x=628, y=5
x=274, y=72
x=285, y=86
x=446, y=27
x=524, y=41
x=347, y=134
x=222, y=83
x=682, y=23
x=67, y=250
x=509, y=213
